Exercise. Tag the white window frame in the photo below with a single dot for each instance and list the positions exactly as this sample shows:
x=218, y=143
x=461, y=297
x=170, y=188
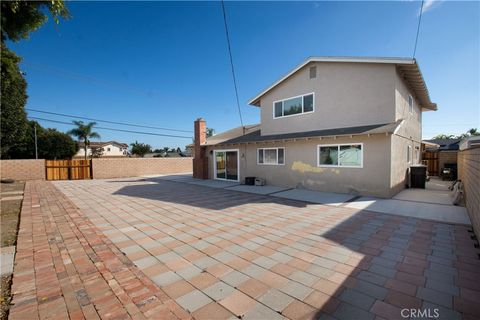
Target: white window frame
x=215, y=164
x=270, y=164
x=338, y=145
x=296, y=114
x=409, y=154
x=410, y=105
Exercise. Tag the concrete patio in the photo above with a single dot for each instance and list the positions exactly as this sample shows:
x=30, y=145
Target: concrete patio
x=206, y=252
x=432, y=203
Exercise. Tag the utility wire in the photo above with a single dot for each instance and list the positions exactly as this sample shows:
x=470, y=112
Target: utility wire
x=231, y=62
x=113, y=129
x=418, y=30
x=106, y=121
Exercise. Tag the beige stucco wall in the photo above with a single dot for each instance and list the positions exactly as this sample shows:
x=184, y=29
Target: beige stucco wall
x=346, y=94
x=134, y=167
x=411, y=127
x=399, y=163
x=301, y=171
x=23, y=169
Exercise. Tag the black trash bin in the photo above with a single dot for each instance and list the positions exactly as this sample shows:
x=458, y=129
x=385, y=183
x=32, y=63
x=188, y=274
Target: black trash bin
x=250, y=181
x=418, y=176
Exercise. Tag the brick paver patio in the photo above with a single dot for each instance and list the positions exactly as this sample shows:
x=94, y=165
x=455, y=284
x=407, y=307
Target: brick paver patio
x=220, y=254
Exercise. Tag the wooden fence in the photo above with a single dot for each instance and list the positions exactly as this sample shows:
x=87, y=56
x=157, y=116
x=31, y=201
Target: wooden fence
x=68, y=169
x=431, y=159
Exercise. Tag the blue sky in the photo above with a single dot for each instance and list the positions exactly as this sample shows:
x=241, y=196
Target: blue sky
x=166, y=63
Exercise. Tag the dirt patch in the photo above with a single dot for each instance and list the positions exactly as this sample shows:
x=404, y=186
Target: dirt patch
x=10, y=215
x=9, y=187
x=10, y=212
x=5, y=296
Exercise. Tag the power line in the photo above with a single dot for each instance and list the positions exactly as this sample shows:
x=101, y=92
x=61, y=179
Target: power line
x=87, y=78
x=113, y=129
x=418, y=30
x=106, y=121
x=231, y=62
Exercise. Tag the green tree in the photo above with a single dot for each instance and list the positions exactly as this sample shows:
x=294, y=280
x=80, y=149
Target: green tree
x=53, y=144
x=13, y=118
x=20, y=17
x=444, y=136
x=140, y=149
x=83, y=132
x=469, y=133
x=210, y=132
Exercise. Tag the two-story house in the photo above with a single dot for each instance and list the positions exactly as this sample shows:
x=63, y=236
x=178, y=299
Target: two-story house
x=102, y=149
x=336, y=124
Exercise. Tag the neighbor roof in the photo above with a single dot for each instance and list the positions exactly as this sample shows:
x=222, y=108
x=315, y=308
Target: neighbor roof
x=255, y=136
x=408, y=69
x=97, y=144
x=445, y=144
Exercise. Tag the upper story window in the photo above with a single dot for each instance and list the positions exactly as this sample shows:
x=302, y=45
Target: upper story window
x=410, y=103
x=293, y=106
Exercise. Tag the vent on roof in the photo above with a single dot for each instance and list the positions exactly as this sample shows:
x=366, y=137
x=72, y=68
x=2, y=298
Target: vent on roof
x=313, y=72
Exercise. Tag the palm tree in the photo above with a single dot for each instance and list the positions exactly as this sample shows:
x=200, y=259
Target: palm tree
x=83, y=132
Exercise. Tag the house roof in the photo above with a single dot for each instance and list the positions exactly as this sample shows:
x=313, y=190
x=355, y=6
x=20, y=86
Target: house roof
x=445, y=144
x=232, y=134
x=97, y=144
x=408, y=69
x=255, y=136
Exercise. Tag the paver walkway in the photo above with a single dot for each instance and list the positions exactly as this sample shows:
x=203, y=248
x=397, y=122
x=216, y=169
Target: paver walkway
x=65, y=268
x=221, y=254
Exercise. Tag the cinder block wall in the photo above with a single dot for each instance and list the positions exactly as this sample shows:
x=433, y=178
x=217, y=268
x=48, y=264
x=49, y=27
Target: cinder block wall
x=31, y=169
x=133, y=167
x=469, y=173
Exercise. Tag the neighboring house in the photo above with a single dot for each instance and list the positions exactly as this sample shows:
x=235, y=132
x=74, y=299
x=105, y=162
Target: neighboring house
x=349, y=125
x=440, y=153
x=105, y=149
x=190, y=150
x=469, y=142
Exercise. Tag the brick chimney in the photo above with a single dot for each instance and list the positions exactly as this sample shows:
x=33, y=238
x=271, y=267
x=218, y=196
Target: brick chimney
x=200, y=162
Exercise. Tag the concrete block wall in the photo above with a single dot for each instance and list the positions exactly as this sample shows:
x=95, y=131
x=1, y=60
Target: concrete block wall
x=469, y=173
x=134, y=167
x=31, y=169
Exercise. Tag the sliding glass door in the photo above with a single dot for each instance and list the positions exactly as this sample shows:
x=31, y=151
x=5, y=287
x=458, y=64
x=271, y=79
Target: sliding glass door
x=226, y=165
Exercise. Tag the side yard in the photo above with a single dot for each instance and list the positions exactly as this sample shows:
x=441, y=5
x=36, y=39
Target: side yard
x=11, y=203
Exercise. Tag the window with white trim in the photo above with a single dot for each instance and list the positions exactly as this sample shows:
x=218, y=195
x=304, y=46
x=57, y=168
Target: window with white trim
x=409, y=154
x=410, y=103
x=293, y=106
x=340, y=155
x=271, y=156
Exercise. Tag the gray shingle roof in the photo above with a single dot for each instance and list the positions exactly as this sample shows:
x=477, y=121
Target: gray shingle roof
x=255, y=136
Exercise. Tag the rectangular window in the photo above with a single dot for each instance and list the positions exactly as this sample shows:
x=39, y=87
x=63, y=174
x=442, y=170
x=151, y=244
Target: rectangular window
x=410, y=104
x=409, y=154
x=293, y=106
x=271, y=156
x=342, y=155
x=313, y=72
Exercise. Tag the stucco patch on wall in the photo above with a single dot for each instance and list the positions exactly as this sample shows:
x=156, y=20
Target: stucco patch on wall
x=302, y=167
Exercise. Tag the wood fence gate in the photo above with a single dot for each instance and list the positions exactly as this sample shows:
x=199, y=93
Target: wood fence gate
x=68, y=169
x=431, y=159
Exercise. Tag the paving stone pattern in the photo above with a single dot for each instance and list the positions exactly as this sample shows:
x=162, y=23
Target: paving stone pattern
x=222, y=254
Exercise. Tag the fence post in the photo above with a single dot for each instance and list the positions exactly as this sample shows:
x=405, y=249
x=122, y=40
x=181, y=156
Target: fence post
x=91, y=168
